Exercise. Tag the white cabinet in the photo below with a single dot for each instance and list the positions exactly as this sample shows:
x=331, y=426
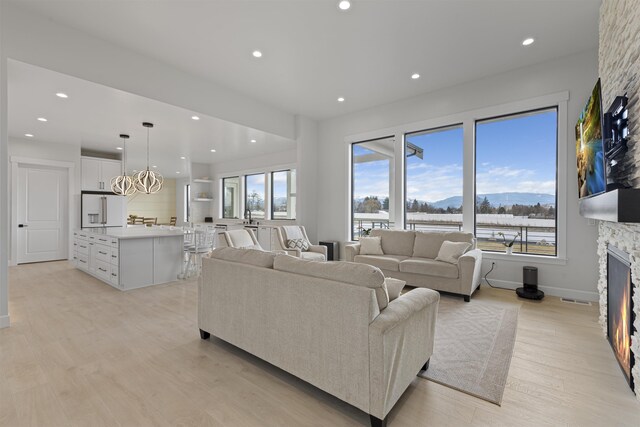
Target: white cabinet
x=97, y=255
x=97, y=173
x=128, y=263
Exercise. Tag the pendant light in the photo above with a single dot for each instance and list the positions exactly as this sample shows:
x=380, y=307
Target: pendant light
x=123, y=185
x=147, y=181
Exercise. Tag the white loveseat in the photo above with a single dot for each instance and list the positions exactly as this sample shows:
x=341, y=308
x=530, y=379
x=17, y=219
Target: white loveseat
x=410, y=256
x=328, y=323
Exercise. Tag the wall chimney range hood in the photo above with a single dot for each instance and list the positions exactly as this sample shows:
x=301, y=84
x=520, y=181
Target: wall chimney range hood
x=620, y=205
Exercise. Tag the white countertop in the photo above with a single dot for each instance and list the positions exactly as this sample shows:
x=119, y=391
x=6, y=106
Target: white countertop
x=135, y=232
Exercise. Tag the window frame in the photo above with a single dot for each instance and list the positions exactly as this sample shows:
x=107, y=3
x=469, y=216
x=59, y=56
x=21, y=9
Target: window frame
x=475, y=164
x=222, y=180
x=266, y=208
x=271, y=210
x=351, y=186
x=404, y=166
x=468, y=118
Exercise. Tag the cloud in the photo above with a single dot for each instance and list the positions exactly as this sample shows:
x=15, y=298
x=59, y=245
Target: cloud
x=506, y=179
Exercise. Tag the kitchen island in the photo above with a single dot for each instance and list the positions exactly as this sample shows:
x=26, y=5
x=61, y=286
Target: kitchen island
x=131, y=257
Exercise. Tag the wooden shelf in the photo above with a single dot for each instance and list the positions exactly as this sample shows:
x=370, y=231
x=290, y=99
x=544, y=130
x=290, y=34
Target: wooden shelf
x=204, y=181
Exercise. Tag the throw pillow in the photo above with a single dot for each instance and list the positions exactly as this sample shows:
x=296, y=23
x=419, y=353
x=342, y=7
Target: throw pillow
x=451, y=251
x=371, y=246
x=302, y=244
x=394, y=287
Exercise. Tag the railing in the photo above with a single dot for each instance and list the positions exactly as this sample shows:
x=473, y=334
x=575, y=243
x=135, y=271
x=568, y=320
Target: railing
x=538, y=240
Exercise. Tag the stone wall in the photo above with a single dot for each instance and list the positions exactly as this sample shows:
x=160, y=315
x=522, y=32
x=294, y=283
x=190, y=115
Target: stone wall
x=619, y=68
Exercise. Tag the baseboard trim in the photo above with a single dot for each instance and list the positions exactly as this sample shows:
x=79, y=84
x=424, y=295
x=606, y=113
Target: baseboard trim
x=549, y=290
x=4, y=321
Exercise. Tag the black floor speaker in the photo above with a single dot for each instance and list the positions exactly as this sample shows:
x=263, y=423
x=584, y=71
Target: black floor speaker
x=530, y=284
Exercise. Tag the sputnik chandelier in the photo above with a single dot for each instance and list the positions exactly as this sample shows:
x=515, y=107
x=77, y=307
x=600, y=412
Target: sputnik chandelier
x=147, y=181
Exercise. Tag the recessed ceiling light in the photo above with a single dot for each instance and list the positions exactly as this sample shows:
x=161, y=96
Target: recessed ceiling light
x=195, y=117
x=62, y=95
x=344, y=5
x=155, y=166
x=341, y=99
x=213, y=150
x=178, y=172
x=528, y=41
x=415, y=76
x=182, y=157
x=118, y=148
x=253, y=141
x=42, y=119
x=257, y=54
x=28, y=135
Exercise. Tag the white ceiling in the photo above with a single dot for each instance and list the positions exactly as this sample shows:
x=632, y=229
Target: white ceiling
x=94, y=115
x=314, y=53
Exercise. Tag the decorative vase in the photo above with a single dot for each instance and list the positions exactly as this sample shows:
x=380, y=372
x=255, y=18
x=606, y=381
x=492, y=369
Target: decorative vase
x=509, y=250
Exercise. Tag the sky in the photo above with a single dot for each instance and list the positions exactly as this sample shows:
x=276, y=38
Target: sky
x=512, y=155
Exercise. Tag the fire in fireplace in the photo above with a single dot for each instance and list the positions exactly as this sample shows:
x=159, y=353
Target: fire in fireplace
x=620, y=309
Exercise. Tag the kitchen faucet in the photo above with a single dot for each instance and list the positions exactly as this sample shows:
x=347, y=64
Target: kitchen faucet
x=247, y=215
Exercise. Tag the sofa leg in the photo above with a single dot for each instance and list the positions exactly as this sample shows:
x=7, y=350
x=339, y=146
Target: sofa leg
x=467, y=298
x=204, y=334
x=426, y=366
x=377, y=422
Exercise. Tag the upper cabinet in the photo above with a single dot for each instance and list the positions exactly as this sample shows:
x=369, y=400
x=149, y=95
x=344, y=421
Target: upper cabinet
x=97, y=173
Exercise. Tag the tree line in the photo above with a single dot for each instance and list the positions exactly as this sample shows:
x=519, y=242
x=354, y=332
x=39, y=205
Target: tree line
x=371, y=204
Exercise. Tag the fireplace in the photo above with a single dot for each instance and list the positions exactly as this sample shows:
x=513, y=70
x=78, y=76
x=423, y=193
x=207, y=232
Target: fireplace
x=620, y=309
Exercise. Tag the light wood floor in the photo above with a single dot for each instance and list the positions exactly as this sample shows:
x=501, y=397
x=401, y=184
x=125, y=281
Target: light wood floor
x=82, y=353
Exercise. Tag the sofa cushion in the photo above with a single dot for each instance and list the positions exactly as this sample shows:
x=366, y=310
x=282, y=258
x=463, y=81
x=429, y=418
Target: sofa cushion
x=451, y=251
x=427, y=243
x=256, y=257
x=338, y=271
x=371, y=246
x=313, y=256
x=429, y=267
x=240, y=239
x=385, y=262
x=394, y=287
x=396, y=242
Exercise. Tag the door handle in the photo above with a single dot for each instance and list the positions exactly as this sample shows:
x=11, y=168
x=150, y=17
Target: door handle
x=22, y=225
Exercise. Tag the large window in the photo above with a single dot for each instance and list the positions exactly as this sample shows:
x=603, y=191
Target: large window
x=516, y=185
x=231, y=197
x=372, y=185
x=433, y=179
x=283, y=194
x=254, y=195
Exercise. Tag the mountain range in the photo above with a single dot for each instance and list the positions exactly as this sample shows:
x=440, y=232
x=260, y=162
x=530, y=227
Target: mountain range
x=500, y=199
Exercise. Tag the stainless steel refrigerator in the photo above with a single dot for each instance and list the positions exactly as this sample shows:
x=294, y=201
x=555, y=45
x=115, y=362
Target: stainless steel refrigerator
x=103, y=210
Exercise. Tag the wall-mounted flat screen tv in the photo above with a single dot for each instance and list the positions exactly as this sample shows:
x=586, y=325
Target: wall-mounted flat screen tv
x=592, y=178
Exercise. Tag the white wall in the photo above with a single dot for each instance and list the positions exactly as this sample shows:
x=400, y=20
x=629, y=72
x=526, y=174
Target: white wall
x=19, y=147
x=576, y=74
x=4, y=184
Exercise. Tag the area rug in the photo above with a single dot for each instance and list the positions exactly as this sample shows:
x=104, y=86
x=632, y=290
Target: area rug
x=473, y=347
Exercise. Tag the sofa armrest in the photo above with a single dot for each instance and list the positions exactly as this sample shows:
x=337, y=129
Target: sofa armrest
x=293, y=252
x=470, y=265
x=400, y=342
x=350, y=251
x=319, y=249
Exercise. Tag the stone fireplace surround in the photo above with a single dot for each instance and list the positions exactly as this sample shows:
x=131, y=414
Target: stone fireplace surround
x=627, y=238
x=619, y=69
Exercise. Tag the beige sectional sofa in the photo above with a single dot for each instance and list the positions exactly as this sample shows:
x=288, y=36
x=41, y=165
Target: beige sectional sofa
x=410, y=256
x=328, y=323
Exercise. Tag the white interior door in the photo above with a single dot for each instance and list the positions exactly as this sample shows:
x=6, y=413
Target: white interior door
x=42, y=213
